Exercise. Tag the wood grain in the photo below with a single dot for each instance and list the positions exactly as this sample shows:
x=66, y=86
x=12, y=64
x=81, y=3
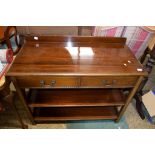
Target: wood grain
x=50, y=58
x=76, y=98
x=98, y=68
x=81, y=113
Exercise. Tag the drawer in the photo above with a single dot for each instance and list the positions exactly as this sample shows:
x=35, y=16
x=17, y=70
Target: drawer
x=47, y=81
x=109, y=81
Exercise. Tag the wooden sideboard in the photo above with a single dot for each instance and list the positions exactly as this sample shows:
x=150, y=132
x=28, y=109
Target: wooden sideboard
x=75, y=78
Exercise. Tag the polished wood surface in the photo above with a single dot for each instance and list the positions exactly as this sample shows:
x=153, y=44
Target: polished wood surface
x=43, y=57
x=74, y=98
x=92, y=41
x=130, y=96
x=75, y=78
x=76, y=82
x=74, y=113
x=108, y=81
x=47, y=81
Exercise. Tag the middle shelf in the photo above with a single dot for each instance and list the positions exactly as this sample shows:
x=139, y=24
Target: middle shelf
x=75, y=97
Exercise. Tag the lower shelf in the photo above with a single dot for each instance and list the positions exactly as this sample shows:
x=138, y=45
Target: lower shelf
x=74, y=113
x=76, y=98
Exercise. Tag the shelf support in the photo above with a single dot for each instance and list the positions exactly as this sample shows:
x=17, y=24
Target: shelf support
x=22, y=99
x=130, y=96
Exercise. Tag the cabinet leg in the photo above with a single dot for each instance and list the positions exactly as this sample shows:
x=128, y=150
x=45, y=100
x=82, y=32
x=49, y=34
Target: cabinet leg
x=17, y=114
x=10, y=101
x=139, y=106
x=7, y=97
x=19, y=118
x=130, y=96
x=23, y=101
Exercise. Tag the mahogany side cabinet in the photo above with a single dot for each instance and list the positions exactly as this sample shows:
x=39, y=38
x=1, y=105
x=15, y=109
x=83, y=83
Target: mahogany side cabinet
x=60, y=78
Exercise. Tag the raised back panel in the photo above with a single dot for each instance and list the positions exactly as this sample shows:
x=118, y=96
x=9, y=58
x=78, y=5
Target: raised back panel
x=111, y=42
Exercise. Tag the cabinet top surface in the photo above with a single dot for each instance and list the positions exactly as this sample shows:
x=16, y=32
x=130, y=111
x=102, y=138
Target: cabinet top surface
x=66, y=55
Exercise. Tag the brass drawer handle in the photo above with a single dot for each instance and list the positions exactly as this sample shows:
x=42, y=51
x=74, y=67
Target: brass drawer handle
x=53, y=82
x=42, y=83
x=105, y=83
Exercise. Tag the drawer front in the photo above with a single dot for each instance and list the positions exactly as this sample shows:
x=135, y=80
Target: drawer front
x=47, y=82
x=108, y=82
